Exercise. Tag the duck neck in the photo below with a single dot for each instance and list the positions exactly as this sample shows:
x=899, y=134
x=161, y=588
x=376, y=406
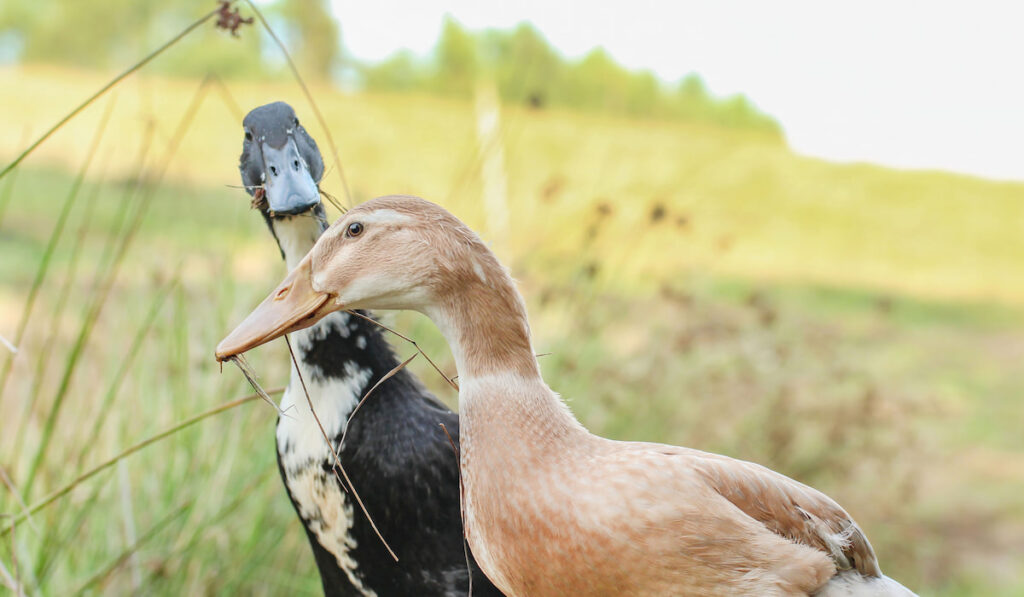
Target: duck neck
x=296, y=235
x=485, y=323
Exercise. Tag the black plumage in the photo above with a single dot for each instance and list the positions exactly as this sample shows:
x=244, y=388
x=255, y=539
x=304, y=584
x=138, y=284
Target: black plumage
x=396, y=453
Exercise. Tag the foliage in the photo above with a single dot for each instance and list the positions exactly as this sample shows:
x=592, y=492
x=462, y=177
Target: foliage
x=314, y=36
x=528, y=71
x=115, y=33
x=525, y=67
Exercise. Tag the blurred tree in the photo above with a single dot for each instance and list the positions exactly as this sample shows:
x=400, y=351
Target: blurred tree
x=692, y=99
x=79, y=33
x=692, y=89
x=644, y=95
x=597, y=82
x=115, y=33
x=526, y=68
x=457, y=60
x=314, y=36
x=399, y=72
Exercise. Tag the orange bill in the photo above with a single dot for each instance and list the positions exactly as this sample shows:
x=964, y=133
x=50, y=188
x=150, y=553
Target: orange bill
x=294, y=305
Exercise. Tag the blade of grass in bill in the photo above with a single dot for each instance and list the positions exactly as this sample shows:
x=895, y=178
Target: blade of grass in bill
x=250, y=376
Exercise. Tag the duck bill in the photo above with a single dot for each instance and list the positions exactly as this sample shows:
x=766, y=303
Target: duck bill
x=290, y=187
x=292, y=306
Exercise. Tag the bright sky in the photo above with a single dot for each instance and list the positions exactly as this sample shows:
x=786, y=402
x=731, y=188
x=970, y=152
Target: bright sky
x=907, y=84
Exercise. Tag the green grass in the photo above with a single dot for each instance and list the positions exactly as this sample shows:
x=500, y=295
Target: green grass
x=856, y=327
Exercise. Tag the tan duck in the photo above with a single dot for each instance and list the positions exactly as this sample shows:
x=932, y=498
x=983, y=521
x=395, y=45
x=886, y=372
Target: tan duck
x=550, y=508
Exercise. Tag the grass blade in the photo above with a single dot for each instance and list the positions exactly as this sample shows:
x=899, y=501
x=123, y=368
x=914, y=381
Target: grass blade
x=100, y=298
x=5, y=198
x=54, y=496
x=55, y=235
x=383, y=379
x=107, y=88
x=44, y=358
x=100, y=576
x=122, y=371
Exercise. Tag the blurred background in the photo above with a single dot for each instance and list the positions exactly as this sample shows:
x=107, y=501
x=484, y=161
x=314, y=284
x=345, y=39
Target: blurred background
x=792, y=234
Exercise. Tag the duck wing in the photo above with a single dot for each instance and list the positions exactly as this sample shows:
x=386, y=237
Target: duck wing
x=787, y=507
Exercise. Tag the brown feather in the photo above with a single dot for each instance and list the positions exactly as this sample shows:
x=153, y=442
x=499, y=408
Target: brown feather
x=551, y=509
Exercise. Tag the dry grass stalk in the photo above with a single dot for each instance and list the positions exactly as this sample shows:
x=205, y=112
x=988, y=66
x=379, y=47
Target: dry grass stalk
x=145, y=60
x=386, y=377
x=55, y=236
x=113, y=268
x=102, y=575
x=228, y=97
x=334, y=201
x=450, y=381
x=337, y=460
x=309, y=96
x=17, y=496
x=250, y=376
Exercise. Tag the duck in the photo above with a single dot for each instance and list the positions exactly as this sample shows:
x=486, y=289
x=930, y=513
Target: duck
x=396, y=453
x=550, y=508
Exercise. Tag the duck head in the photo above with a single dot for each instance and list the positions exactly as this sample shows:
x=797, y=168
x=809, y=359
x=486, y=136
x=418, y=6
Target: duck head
x=281, y=165
x=388, y=253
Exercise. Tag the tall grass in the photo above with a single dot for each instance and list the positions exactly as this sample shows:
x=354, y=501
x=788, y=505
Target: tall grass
x=140, y=374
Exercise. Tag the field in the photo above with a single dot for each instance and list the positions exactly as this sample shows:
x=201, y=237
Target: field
x=858, y=328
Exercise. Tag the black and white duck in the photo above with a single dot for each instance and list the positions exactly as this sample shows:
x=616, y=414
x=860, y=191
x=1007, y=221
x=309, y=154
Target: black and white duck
x=396, y=454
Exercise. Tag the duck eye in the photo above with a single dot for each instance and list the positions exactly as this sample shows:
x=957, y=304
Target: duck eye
x=248, y=136
x=354, y=229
